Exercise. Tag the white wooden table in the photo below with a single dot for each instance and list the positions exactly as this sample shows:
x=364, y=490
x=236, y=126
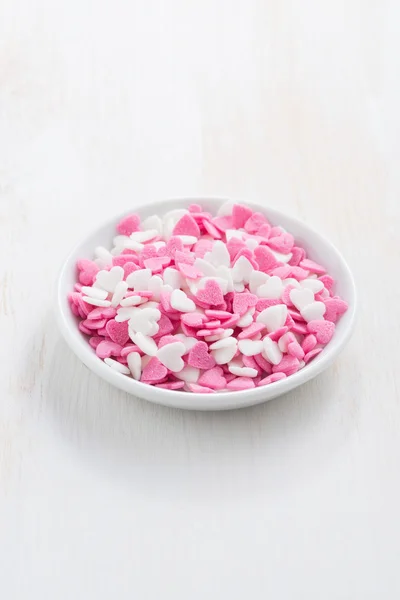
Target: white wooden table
x=107, y=104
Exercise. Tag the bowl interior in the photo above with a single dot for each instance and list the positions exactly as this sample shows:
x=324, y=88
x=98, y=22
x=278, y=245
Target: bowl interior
x=318, y=249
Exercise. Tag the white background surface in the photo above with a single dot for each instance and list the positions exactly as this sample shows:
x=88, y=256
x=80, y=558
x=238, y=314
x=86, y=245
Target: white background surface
x=107, y=104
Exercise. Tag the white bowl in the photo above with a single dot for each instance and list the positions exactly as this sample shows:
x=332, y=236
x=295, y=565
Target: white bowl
x=318, y=248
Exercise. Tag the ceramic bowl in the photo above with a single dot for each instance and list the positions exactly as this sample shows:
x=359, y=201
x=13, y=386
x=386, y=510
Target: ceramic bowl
x=318, y=248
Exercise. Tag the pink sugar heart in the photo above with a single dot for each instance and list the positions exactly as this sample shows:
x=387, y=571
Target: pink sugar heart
x=264, y=231
x=265, y=259
x=174, y=244
x=247, y=253
x=130, y=267
x=312, y=266
x=223, y=223
x=194, y=208
x=240, y=383
x=102, y=313
x=87, y=271
x=118, y=332
x=202, y=247
x=154, y=371
x=299, y=328
x=297, y=256
x=240, y=214
x=129, y=225
x=193, y=319
x=165, y=326
x=186, y=226
x=199, y=389
x=329, y=282
x=212, y=324
x=251, y=331
x=335, y=307
x=166, y=339
x=278, y=333
x=309, y=343
x=189, y=271
x=172, y=385
x=234, y=246
x=94, y=324
x=253, y=223
x=157, y=263
x=84, y=329
x=95, y=341
x=294, y=349
x=263, y=364
x=212, y=230
x=209, y=332
x=213, y=378
x=266, y=303
x=121, y=260
x=288, y=365
x=211, y=294
x=282, y=243
x=271, y=379
x=108, y=348
x=282, y=272
x=323, y=330
x=189, y=331
x=248, y=361
x=299, y=273
x=149, y=251
x=126, y=350
x=200, y=358
x=243, y=301
x=186, y=258
x=228, y=323
x=312, y=354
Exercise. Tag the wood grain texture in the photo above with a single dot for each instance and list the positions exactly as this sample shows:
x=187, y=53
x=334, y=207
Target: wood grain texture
x=108, y=104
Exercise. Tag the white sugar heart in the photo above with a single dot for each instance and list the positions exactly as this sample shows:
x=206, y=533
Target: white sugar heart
x=247, y=318
x=224, y=355
x=189, y=342
x=132, y=301
x=273, y=317
x=242, y=270
x=284, y=341
x=250, y=347
x=187, y=240
x=225, y=274
x=271, y=289
x=103, y=257
x=170, y=356
x=257, y=278
x=144, y=236
x=242, y=371
x=120, y=290
x=156, y=285
x=225, y=210
x=124, y=242
x=302, y=297
x=153, y=222
x=173, y=278
x=135, y=364
x=233, y=233
x=313, y=311
x=229, y=342
x=291, y=281
x=219, y=255
x=125, y=313
x=283, y=258
x=108, y=280
x=188, y=374
x=315, y=285
x=144, y=320
x=139, y=280
x=271, y=351
x=205, y=267
x=180, y=301
x=145, y=343
x=94, y=292
x=251, y=243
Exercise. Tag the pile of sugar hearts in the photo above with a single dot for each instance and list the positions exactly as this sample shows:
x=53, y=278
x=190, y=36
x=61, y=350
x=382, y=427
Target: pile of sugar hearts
x=201, y=303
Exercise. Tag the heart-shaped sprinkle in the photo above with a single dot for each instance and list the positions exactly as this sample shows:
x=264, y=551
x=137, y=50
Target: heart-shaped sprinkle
x=250, y=347
x=242, y=270
x=144, y=320
x=106, y=349
x=118, y=332
x=154, y=371
x=211, y=294
x=313, y=311
x=170, y=356
x=251, y=331
x=213, y=379
x=243, y=301
x=265, y=259
x=240, y=214
x=323, y=330
x=301, y=298
x=271, y=289
x=273, y=317
x=87, y=271
x=219, y=255
x=108, y=280
x=240, y=384
x=288, y=365
x=199, y=356
x=271, y=351
x=179, y=301
x=129, y=225
x=145, y=343
x=257, y=278
x=186, y=226
x=135, y=365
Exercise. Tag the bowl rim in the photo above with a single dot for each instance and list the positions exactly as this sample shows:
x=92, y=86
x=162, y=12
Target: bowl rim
x=222, y=400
